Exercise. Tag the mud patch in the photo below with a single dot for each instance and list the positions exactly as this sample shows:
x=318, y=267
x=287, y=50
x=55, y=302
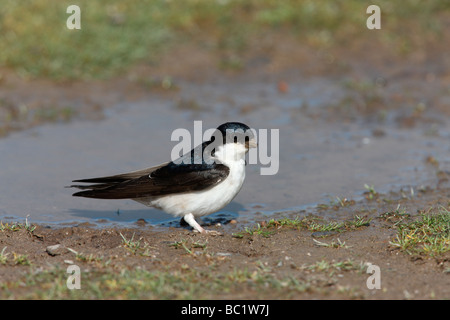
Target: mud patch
x=280, y=262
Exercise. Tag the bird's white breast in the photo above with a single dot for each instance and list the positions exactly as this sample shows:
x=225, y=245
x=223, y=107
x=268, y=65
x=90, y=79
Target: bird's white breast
x=204, y=202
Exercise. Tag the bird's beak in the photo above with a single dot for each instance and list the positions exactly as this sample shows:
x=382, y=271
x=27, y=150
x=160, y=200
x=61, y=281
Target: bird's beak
x=251, y=144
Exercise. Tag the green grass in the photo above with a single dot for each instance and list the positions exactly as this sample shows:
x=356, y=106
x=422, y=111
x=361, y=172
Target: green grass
x=16, y=226
x=21, y=259
x=396, y=216
x=429, y=235
x=17, y=259
x=259, y=230
x=309, y=223
x=185, y=283
x=113, y=35
x=189, y=245
x=143, y=284
x=316, y=224
x=347, y=265
x=137, y=247
x=3, y=256
x=117, y=34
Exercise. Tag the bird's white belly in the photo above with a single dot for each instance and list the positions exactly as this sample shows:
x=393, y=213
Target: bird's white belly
x=203, y=202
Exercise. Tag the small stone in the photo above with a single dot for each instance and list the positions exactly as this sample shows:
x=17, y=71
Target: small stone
x=223, y=254
x=56, y=250
x=141, y=222
x=283, y=87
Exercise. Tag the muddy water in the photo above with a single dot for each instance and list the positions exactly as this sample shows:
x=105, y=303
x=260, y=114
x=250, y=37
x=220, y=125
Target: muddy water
x=321, y=158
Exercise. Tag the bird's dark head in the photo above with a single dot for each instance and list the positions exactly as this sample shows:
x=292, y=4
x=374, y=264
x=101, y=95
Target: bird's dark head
x=235, y=132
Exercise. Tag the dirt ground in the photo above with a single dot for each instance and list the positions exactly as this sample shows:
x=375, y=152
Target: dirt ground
x=284, y=263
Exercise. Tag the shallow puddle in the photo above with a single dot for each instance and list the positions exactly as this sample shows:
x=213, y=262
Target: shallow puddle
x=319, y=158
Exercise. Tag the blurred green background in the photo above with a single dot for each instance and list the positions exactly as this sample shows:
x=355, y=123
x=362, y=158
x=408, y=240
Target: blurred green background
x=115, y=35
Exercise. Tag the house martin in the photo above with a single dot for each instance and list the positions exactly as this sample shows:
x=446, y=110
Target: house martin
x=198, y=183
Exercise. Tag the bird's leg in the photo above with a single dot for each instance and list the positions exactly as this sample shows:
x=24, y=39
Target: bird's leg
x=189, y=218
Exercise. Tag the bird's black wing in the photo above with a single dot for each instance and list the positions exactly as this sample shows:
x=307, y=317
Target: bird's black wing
x=120, y=177
x=157, y=181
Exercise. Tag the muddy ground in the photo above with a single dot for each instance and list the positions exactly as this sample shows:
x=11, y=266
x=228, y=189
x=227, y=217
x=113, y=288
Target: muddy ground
x=278, y=263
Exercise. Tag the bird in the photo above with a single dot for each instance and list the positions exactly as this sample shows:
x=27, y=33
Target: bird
x=198, y=183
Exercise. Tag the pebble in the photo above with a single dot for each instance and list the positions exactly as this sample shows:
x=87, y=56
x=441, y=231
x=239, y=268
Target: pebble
x=56, y=250
x=223, y=254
